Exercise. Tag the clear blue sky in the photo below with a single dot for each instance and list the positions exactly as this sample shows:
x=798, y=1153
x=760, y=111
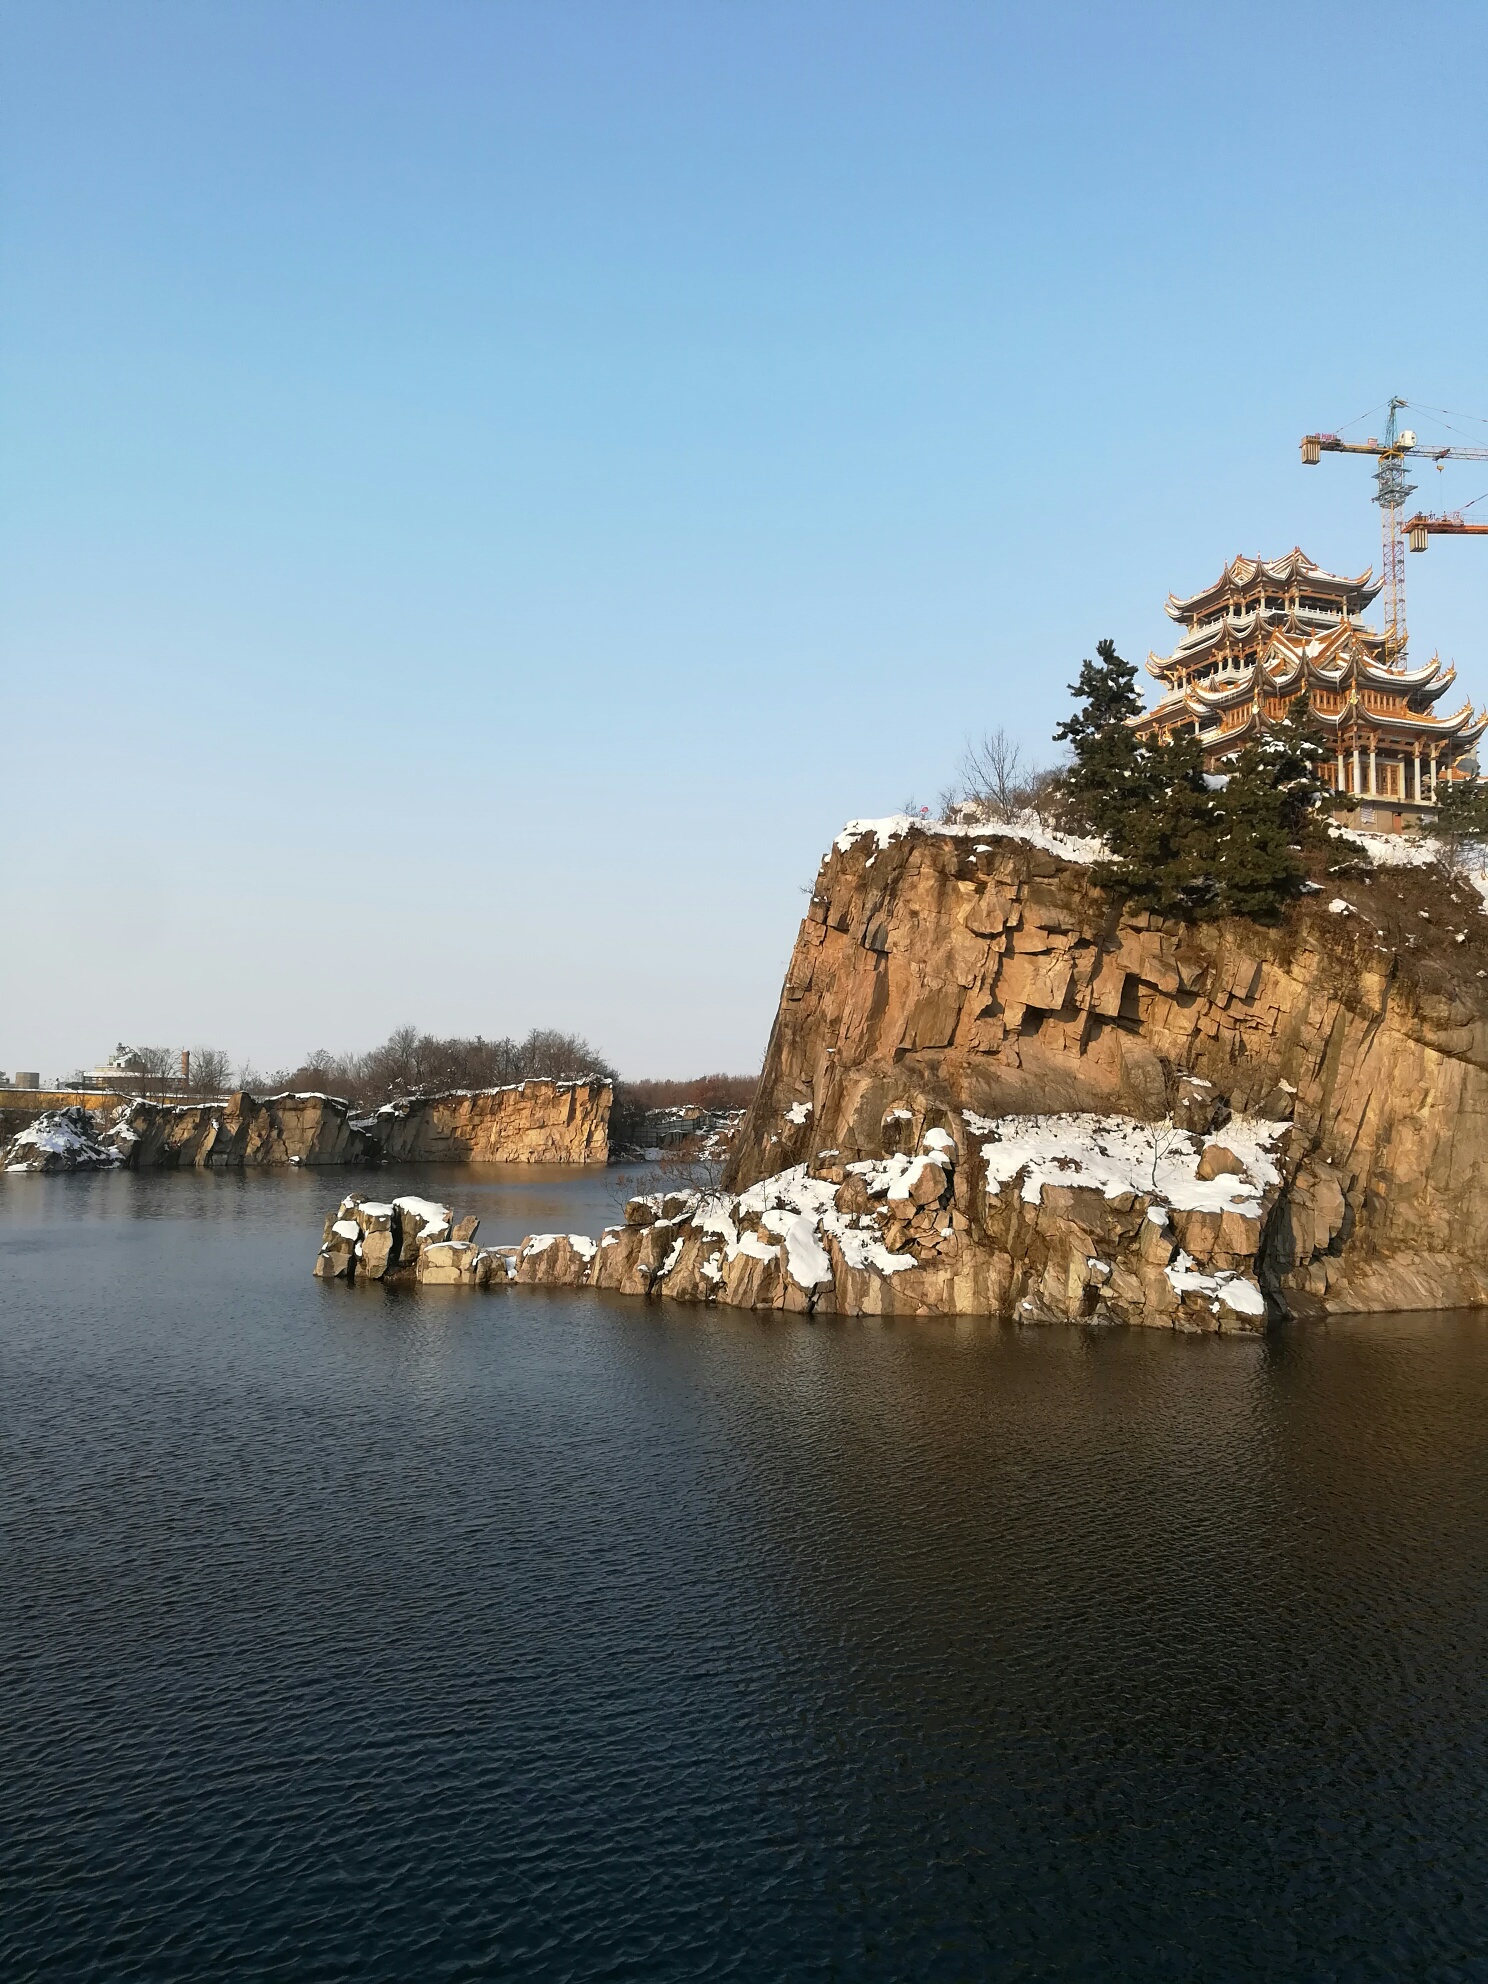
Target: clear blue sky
x=488, y=489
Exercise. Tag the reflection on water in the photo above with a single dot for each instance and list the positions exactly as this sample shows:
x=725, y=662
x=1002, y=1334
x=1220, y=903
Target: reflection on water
x=345, y=1632
x=512, y=1200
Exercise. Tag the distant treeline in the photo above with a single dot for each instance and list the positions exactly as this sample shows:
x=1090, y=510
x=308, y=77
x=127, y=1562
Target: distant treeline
x=408, y=1062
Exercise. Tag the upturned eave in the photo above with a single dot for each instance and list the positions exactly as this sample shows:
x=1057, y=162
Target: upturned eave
x=1296, y=567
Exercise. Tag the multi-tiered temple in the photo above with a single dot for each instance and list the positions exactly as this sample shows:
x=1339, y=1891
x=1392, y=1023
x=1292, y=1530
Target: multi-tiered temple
x=1267, y=631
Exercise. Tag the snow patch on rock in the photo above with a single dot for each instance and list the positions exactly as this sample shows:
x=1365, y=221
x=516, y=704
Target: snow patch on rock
x=62, y=1140
x=1117, y=1154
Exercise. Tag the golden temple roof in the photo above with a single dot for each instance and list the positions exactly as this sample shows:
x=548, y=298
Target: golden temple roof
x=1296, y=572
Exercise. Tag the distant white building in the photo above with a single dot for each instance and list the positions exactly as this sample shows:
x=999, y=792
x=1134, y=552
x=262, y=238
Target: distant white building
x=124, y=1070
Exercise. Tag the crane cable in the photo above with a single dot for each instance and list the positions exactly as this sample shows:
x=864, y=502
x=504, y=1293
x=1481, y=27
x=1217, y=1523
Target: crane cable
x=1368, y=414
x=1481, y=419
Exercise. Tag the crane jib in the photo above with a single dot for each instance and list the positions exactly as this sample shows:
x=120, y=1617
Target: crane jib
x=1391, y=489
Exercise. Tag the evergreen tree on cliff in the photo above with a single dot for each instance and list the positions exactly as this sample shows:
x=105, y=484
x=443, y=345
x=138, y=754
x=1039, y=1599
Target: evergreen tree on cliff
x=1181, y=842
x=1167, y=843
x=1109, y=773
x=1148, y=803
x=1269, y=814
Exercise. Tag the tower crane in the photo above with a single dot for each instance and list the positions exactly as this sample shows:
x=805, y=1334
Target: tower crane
x=1398, y=445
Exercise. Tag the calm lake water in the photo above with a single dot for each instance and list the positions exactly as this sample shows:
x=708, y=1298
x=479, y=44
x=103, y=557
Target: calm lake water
x=347, y=1634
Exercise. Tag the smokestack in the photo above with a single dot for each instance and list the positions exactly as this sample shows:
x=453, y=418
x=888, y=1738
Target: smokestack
x=185, y=1067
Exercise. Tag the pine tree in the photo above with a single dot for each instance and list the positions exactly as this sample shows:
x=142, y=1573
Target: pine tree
x=1110, y=776
x=1165, y=845
x=1295, y=750
x=1256, y=865
x=1270, y=812
x=1183, y=843
x=1108, y=689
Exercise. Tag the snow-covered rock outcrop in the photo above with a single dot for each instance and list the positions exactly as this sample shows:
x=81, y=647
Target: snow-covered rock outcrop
x=406, y=1239
x=62, y=1140
x=532, y=1122
x=1095, y=1218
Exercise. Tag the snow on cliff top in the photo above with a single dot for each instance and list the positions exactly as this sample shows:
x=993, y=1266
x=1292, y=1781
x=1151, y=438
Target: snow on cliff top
x=1392, y=850
x=1070, y=847
x=1385, y=850
x=1416, y=851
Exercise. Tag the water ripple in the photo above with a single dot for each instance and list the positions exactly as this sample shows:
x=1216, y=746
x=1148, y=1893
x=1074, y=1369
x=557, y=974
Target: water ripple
x=352, y=1635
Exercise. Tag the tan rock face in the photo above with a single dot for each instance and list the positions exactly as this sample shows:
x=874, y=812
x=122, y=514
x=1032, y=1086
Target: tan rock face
x=555, y=1260
x=243, y=1131
x=1067, y=1220
x=402, y=1240
x=536, y=1122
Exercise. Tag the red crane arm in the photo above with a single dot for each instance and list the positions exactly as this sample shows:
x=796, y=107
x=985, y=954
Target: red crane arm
x=1315, y=445
x=1421, y=526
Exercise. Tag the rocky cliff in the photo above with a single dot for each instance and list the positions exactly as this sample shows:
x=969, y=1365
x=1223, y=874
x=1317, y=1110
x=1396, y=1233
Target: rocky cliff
x=941, y=975
x=534, y=1122
x=989, y=1090
x=243, y=1131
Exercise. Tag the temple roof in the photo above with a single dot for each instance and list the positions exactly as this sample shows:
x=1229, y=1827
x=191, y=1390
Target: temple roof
x=1464, y=725
x=1296, y=569
x=1232, y=631
x=1345, y=651
x=1462, y=728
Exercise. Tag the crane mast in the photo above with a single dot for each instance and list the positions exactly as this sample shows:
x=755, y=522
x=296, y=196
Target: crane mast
x=1391, y=490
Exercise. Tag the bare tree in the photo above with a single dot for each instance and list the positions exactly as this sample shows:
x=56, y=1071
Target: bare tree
x=1167, y=1139
x=1042, y=794
x=998, y=784
x=412, y=1063
x=694, y=1165
x=156, y=1068
x=211, y=1071
x=994, y=772
x=562, y=1056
